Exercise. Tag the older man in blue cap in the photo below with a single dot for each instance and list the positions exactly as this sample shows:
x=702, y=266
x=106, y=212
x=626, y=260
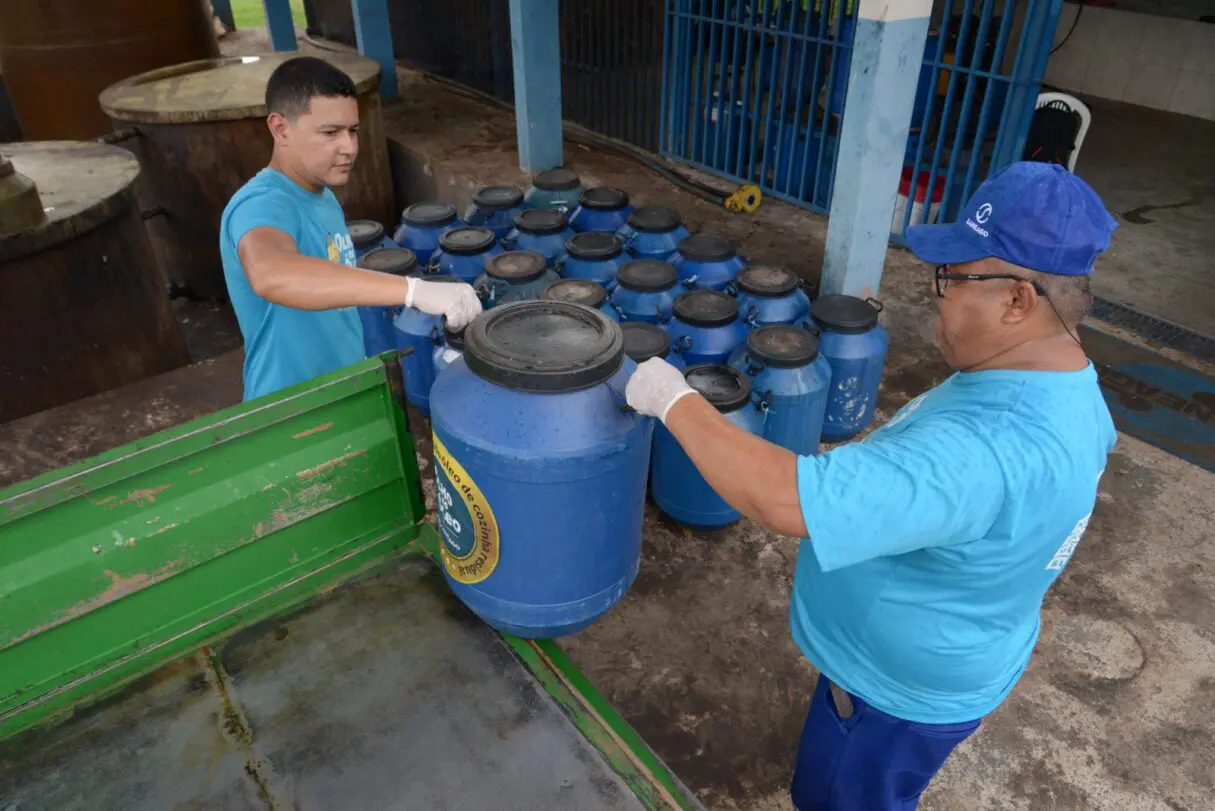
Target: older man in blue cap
x=930, y=544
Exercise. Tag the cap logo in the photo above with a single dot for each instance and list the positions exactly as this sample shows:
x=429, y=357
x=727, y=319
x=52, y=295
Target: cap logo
x=983, y=214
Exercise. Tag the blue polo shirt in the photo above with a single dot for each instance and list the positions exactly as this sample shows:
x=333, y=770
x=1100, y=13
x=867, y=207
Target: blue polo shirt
x=283, y=345
x=933, y=541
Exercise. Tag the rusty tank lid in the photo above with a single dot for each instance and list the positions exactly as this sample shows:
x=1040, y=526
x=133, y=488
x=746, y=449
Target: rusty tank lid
x=216, y=89
x=82, y=184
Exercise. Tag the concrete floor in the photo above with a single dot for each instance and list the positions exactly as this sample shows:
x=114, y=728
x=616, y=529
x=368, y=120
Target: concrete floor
x=1117, y=711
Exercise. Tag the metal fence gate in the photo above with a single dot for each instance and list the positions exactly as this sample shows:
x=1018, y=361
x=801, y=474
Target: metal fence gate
x=755, y=90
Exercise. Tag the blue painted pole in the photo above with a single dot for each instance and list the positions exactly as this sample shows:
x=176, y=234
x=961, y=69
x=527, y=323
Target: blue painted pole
x=887, y=51
x=536, y=51
x=374, y=37
x=282, y=27
x=223, y=10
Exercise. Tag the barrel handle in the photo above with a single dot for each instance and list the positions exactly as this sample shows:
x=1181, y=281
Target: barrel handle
x=752, y=365
x=690, y=282
x=619, y=312
x=625, y=408
x=562, y=207
x=750, y=317
x=808, y=327
x=507, y=242
x=874, y=303
x=558, y=265
x=433, y=267
x=763, y=402
x=731, y=289
x=629, y=239
x=436, y=337
x=683, y=344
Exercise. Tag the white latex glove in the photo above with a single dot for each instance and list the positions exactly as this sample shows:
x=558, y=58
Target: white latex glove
x=459, y=302
x=655, y=387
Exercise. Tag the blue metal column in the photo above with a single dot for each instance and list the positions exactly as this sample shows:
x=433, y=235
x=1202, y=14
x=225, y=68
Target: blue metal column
x=282, y=27
x=223, y=10
x=536, y=49
x=374, y=37
x=887, y=52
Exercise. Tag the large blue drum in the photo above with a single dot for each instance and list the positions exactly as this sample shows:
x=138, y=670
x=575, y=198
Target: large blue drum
x=513, y=276
x=543, y=230
x=770, y=295
x=554, y=188
x=462, y=252
x=645, y=291
x=789, y=383
x=580, y=291
x=367, y=235
x=495, y=207
x=706, y=327
x=603, y=209
x=379, y=334
x=677, y=486
x=653, y=232
x=421, y=225
x=540, y=470
x=707, y=261
x=643, y=341
x=420, y=334
x=595, y=256
x=855, y=344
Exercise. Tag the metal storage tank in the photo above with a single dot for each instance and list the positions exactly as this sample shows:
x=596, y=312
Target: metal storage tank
x=70, y=50
x=82, y=306
x=202, y=134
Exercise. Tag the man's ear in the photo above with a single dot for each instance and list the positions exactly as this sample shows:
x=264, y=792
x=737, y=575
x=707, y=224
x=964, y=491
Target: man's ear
x=278, y=126
x=1022, y=301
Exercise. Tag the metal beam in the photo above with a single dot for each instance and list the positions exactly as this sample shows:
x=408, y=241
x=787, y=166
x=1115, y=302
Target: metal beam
x=374, y=38
x=223, y=10
x=282, y=27
x=885, y=69
x=536, y=49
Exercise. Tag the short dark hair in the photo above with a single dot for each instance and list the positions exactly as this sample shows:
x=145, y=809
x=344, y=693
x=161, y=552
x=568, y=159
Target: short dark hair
x=293, y=84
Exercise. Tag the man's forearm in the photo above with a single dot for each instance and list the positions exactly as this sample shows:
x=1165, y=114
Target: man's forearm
x=307, y=283
x=754, y=476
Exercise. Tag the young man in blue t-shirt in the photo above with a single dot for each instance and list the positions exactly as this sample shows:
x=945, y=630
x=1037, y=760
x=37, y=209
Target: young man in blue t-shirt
x=288, y=259
x=930, y=544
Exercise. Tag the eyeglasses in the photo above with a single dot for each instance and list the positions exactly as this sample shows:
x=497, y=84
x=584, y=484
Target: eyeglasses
x=943, y=278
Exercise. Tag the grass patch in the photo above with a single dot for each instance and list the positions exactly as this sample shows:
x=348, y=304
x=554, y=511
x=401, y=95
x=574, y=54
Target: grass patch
x=251, y=13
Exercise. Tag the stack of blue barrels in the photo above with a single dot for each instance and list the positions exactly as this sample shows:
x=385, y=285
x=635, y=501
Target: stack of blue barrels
x=531, y=430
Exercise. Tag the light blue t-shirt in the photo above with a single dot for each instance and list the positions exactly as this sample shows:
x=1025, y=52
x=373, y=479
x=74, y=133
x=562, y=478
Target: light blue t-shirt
x=932, y=542
x=283, y=345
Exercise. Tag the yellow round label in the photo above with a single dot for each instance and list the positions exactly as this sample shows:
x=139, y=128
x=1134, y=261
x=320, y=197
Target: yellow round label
x=466, y=523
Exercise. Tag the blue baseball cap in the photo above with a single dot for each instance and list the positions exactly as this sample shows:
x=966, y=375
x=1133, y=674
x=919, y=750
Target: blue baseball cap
x=1036, y=215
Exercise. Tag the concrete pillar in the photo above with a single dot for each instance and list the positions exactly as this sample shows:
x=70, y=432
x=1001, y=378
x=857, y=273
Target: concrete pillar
x=886, y=55
x=374, y=37
x=536, y=50
x=282, y=27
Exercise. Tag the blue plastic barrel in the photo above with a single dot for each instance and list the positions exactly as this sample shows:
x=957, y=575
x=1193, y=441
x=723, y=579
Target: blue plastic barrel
x=421, y=225
x=580, y=291
x=450, y=347
x=379, y=334
x=602, y=208
x=653, y=232
x=855, y=344
x=495, y=207
x=789, y=382
x=706, y=327
x=462, y=252
x=540, y=470
x=643, y=341
x=420, y=333
x=367, y=235
x=554, y=188
x=770, y=295
x=707, y=261
x=645, y=291
x=677, y=486
x=513, y=276
x=543, y=230
x=593, y=255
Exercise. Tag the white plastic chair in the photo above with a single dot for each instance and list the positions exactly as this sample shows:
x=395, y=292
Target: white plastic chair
x=1071, y=104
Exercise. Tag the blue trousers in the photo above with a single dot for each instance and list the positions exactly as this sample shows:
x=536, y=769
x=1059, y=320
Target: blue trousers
x=868, y=761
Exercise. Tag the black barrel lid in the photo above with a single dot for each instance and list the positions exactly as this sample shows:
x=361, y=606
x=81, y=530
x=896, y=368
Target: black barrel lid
x=604, y=198
x=782, y=345
x=706, y=308
x=429, y=215
x=576, y=291
x=655, y=219
x=706, y=248
x=453, y=338
x=466, y=240
x=647, y=276
x=540, y=221
x=594, y=245
x=397, y=261
x=725, y=388
x=497, y=197
x=516, y=266
x=364, y=233
x=643, y=341
x=559, y=179
x=847, y=314
x=543, y=346
x=766, y=281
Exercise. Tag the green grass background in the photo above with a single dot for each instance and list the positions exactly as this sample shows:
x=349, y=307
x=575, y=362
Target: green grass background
x=251, y=13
